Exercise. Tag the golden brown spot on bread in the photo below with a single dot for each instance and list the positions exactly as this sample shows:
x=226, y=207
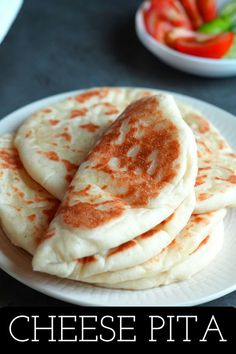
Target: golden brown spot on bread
x=203, y=196
x=200, y=180
x=51, y=155
x=122, y=248
x=29, y=201
x=90, y=127
x=203, y=125
x=9, y=159
x=46, y=110
x=200, y=169
x=198, y=218
x=18, y=192
x=31, y=217
x=157, y=228
x=110, y=108
x=171, y=245
x=231, y=154
x=43, y=198
x=87, y=215
x=199, y=154
x=204, y=145
x=152, y=232
x=50, y=233
x=66, y=136
x=100, y=93
x=87, y=260
x=222, y=145
x=84, y=191
x=53, y=121
x=80, y=193
x=230, y=179
x=158, y=134
x=204, y=242
x=171, y=217
x=70, y=167
x=78, y=112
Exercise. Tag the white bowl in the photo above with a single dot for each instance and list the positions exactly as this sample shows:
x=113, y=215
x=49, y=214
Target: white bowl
x=184, y=62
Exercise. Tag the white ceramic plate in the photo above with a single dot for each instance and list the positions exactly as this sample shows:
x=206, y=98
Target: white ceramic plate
x=188, y=63
x=215, y=281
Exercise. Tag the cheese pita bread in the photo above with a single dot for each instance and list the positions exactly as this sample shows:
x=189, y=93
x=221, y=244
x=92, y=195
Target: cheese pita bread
x=138, y=250
x=135, y=177
x=25, y=207
x=56, y=139
x=216, y=183
x=194, y=263
x=197, y=229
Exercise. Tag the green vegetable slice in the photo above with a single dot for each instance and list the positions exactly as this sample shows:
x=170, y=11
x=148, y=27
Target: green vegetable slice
x=232, y=52
x=219, y=25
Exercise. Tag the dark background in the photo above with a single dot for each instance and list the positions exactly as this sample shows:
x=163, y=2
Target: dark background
x=62, y=45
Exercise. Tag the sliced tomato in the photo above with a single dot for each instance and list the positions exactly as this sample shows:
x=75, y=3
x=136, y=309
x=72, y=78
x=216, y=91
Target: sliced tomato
x=161, y=30
x=173, y=12
x=150, y=19
x=193, y=12
x=199, y=44
x=208, y=9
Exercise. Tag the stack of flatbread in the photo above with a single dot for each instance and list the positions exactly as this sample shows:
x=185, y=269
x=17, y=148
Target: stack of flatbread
x=118, y=187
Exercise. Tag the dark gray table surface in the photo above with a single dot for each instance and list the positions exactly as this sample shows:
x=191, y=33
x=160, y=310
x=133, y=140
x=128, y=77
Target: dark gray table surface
x=60, y=45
